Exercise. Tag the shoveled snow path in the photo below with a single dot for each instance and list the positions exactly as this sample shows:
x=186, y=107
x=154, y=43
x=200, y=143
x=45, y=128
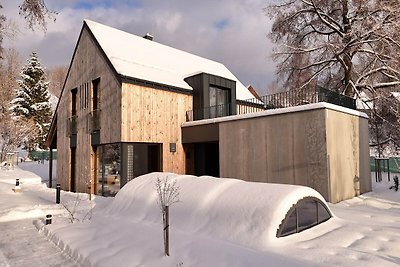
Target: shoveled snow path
x=22, y=245
x=20, y=242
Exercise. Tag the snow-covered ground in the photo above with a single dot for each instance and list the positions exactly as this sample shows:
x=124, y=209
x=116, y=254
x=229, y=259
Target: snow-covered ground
x=127, y=230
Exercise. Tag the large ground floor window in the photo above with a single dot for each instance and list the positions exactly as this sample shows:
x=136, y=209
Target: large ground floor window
x=121, y=162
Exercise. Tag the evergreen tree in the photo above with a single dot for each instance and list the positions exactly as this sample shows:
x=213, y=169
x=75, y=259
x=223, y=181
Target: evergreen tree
x=32, y=100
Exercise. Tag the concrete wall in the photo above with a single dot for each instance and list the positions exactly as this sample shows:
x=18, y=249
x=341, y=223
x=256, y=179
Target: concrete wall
x=347, y=144
x=287, y=148
x=323, y=148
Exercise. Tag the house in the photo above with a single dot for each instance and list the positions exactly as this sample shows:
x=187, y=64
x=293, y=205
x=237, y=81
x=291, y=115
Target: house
x=122, y=105
x=132, y=106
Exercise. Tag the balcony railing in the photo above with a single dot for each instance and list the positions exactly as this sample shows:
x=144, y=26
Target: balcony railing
x=279, y=100
x=72, y=125
x=94, y=121
x=209, y=112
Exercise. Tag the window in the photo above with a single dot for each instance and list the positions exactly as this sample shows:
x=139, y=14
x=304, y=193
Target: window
x=95, y=94
x=219, y=102
x=109, y=171
x=83, y=95
x=307, y=213
x=73, y=102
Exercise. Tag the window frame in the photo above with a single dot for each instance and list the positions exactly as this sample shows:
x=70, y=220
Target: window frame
x=294, y=210
x=219, y=109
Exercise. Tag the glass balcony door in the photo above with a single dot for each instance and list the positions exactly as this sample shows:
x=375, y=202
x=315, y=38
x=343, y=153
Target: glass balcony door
x=219, y=102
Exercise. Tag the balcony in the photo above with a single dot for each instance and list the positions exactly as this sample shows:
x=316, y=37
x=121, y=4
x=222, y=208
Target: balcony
x=209, y=112
x=94, y=121
x=274, y=101
x=72, y=125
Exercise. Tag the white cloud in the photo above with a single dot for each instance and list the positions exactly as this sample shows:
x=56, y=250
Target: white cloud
x=240, y=42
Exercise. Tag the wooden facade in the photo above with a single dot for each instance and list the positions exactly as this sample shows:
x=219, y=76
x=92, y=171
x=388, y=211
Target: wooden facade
x=151, y=115
x=88, y=64
x=127, y=112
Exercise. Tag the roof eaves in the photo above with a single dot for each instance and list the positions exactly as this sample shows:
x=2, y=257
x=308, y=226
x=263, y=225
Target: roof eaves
x=54, y=119
x=116, y=74
x=52, y=132
x=166, y=87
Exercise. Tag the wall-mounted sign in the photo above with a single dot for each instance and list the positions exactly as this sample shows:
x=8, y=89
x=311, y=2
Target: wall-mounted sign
x=172, y=147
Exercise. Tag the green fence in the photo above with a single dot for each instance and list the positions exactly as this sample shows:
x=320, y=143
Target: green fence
x=394, y=165
x=41, y=155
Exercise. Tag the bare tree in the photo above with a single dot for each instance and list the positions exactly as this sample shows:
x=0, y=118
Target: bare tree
x=168, y=194
x=384, y=123
x=56, y=76
x=13, y=132
x=345, y=45
x=9, y=71
x=35, y=13
x=76, y=211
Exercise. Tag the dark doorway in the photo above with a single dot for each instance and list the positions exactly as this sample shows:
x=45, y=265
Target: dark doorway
x=206, y=160
x=154, y=158
x=72, y=186
x=95, y=164
x=146, y=158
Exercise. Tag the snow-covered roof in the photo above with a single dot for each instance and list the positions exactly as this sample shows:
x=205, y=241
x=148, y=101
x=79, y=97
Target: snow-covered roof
x=245, y=213
x=135, y=56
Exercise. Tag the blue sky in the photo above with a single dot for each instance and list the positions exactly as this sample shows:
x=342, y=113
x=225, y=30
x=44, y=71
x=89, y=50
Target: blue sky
x=232, y=32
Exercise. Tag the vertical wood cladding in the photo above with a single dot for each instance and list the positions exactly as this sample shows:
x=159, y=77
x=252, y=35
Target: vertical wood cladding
x=88, y=64
x=155, y=116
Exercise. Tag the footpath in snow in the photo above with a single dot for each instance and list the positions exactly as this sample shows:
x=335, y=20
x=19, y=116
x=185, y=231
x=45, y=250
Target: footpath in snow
x=127, y=230
x=20, y=242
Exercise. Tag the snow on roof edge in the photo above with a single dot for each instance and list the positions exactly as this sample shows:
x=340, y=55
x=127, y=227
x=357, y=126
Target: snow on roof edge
x=104, y=33
x=270, y=112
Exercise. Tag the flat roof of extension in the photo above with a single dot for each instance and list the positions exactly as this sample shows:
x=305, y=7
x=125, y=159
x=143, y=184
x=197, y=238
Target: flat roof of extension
x=270, y=112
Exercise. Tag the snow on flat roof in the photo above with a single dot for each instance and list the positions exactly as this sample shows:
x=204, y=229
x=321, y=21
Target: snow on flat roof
x=270, y=112
x=245, y=213
x=137, y=57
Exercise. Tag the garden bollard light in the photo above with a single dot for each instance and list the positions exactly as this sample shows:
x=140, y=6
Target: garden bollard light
x=17, y=188
x=48, y=219
x=58, y=191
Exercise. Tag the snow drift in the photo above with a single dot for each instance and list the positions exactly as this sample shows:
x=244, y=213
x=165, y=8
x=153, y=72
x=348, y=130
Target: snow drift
x=241, y=212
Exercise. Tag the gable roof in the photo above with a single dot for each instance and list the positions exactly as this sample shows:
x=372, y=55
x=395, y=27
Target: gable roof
x=136, y=57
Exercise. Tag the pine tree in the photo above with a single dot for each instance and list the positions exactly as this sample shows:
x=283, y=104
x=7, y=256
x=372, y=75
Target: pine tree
x=32, y=100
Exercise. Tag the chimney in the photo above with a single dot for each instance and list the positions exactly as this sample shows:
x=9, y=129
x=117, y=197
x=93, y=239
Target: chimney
x=148, y=36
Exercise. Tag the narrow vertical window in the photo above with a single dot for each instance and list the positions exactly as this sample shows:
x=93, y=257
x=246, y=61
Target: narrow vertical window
x=73, y=101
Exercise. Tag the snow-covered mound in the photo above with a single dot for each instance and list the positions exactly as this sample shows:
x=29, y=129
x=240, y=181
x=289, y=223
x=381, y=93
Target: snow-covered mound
x=25, y=177
x=245, y=213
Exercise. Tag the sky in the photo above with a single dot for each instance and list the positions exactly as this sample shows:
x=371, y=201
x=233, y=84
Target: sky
x=233, y=32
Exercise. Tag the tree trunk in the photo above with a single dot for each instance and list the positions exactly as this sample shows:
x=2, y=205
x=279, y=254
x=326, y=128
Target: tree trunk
x=166, y=230
x=347, y=58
